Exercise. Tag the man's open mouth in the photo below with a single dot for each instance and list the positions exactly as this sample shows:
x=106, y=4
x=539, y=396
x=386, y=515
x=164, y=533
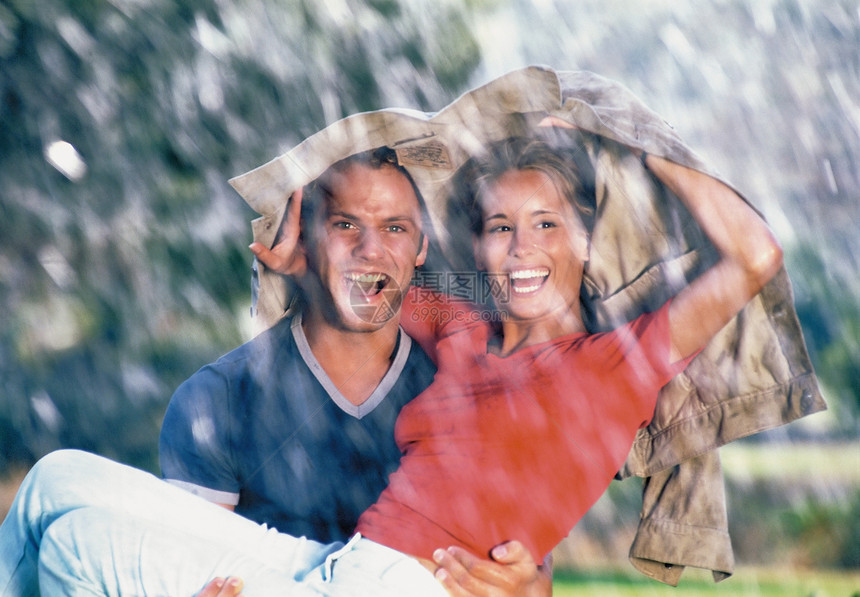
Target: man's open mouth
x=528, y=280
x=367, y=285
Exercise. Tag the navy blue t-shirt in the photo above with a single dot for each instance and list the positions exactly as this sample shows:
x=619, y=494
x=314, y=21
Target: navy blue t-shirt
x=265, y=429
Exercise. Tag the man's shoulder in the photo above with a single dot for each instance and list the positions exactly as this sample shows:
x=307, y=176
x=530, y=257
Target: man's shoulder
x=238, y=370
x=274, y=343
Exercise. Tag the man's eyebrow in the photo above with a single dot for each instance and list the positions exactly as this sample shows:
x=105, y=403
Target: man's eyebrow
x=401, y=218
x=341, y=214
x=349, y=216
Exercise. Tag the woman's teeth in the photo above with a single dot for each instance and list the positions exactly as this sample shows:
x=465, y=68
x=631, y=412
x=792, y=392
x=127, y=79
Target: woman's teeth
x=529, y=273
x=528, y=280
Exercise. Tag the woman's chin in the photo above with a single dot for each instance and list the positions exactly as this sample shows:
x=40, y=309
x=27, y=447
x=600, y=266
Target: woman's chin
x=535, y=307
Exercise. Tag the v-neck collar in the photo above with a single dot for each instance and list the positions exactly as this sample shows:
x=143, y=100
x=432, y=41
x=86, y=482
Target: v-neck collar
x=404, y=345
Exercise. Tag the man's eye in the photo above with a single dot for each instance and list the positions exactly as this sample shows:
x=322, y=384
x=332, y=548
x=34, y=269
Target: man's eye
x=343, y=225
x=395, y=228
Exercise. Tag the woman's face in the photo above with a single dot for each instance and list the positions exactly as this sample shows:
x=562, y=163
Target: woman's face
x=534, y=241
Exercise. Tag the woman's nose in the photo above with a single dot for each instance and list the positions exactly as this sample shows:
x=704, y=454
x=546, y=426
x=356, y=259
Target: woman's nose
x=522, y=242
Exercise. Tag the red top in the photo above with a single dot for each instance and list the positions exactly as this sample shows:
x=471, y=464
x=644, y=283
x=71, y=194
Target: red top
x=518, y=447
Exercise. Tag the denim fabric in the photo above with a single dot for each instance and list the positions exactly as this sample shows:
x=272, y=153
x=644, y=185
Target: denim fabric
x=101, y=551
x=84, y=525
x=66, y=483
x=93, y=551
x=364, y=567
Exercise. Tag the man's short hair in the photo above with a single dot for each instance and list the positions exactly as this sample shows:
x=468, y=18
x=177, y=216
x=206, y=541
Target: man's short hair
x=319, y=190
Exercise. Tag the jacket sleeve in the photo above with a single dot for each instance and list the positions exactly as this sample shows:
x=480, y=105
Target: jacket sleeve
x=684, y=522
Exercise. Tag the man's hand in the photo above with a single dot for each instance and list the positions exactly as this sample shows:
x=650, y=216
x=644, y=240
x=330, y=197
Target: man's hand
x=287, y=256
x=223, y=587
x=512, y=572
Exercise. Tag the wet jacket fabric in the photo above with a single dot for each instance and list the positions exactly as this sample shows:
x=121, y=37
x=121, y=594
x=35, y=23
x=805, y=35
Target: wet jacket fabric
x=753, y=376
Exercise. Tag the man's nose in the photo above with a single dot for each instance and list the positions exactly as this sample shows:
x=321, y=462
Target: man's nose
x=369, y=244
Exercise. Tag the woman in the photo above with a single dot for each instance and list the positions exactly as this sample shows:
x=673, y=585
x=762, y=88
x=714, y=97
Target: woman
x=523, y=428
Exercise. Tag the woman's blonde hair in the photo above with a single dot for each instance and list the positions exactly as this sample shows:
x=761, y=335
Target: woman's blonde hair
x=567, y=165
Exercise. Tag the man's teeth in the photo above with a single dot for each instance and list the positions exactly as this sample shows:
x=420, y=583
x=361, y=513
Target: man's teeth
x=369, y=283
x=366, y=278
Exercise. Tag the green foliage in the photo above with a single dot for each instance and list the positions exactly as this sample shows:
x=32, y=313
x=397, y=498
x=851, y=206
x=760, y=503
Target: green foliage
x=806, y=520
x=831, y=324
x=124, y=264
x=829, y=534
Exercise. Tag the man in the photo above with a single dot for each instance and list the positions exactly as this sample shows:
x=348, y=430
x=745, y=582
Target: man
x=295, y=429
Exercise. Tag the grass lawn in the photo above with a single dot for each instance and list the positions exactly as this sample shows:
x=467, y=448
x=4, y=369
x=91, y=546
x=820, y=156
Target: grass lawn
x=746, y=582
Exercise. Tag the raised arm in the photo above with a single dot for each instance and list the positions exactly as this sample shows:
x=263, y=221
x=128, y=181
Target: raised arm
x=749, y=256
x=749, y=253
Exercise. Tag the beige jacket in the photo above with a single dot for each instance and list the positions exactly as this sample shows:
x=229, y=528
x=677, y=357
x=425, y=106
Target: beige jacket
x=755, y=375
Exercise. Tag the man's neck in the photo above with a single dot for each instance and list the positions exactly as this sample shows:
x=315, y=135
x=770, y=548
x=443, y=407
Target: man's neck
x=355, y=362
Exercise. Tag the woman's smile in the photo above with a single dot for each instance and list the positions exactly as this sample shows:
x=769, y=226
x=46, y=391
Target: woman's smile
x=527, y=281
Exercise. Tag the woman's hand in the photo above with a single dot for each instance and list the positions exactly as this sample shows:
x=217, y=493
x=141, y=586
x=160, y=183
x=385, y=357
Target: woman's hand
x=556, y=121
x=749, y=253
x=287, y=256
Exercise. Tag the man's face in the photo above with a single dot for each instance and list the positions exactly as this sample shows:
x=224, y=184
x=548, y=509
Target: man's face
x=363, y=246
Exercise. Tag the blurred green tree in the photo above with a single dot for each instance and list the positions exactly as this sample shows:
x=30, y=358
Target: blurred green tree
x=123, y=260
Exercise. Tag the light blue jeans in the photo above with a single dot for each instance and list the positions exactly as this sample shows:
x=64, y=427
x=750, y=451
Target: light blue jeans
x=85, y=525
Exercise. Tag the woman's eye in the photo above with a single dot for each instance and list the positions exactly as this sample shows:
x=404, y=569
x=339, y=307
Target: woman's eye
x=500, y=228
x=547, y=225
